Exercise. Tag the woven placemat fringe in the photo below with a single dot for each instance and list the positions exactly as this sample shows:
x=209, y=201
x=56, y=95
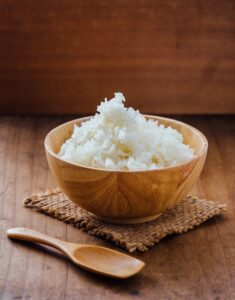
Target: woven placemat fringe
x=188, y=214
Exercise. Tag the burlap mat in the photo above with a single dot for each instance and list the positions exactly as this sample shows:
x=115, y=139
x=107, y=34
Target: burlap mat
x=188, y=214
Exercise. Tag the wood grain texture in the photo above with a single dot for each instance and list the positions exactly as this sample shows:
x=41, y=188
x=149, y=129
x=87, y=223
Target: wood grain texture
x=197, y=265
x=126, y=196
x=166, y=56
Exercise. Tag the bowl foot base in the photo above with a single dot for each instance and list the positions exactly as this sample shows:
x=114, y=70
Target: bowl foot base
x=128, y=220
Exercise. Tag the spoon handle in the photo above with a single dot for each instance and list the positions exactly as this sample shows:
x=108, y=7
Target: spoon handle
x=34, y=236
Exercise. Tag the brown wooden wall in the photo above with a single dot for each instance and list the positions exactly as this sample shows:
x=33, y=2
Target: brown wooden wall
x=166, y=56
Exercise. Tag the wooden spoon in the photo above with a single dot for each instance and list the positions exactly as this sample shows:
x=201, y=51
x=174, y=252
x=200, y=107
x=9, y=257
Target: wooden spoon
x=101, y=260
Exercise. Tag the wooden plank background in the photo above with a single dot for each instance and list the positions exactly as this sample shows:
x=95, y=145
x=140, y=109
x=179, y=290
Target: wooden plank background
x=166, y=56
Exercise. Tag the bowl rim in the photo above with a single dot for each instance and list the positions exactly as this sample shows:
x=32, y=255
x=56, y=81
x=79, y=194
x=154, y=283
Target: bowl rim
x=154, y=117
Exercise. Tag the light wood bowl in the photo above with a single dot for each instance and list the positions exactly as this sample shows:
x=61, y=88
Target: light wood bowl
x=126, y=196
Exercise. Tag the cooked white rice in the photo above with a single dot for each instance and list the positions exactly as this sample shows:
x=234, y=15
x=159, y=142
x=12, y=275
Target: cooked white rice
x=120, y=138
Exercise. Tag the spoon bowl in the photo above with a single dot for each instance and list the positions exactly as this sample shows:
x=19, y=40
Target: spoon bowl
x=106, y=261
x=97, y=259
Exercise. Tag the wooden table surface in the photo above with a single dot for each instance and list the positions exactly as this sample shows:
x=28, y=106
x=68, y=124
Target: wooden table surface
x=197, y=265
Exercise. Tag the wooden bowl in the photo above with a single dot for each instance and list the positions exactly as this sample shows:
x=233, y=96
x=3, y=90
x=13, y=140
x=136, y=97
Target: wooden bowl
x=126, y=196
